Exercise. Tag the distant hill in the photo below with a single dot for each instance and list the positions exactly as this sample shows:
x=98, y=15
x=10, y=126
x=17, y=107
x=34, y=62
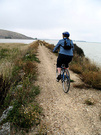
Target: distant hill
x=5, y=34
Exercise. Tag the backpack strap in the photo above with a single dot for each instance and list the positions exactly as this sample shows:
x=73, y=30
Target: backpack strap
x=67, y=47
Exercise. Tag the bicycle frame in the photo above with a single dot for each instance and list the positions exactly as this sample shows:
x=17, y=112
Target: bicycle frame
x=62, y=74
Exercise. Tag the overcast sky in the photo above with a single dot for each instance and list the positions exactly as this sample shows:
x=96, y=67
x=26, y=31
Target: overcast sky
x=49, y=18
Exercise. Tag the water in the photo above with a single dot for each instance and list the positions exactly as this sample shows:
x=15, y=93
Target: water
x=91, y=50
x=25, y=41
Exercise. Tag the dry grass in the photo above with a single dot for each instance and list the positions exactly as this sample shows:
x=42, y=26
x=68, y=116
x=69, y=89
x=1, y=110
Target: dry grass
x=9, y=53
x=92, y=78
x=90, y=73
x=81, y=86
x=77, y=68
x=29, y=67
x=49, y=46
x=13, y=45
x=14, y=52
x=17, y=71
x=9, y=57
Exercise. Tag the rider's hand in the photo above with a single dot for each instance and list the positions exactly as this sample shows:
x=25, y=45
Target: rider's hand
x=56, y=52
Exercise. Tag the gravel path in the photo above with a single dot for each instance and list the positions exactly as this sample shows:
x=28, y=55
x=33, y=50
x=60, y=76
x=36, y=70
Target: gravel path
x=66, y=114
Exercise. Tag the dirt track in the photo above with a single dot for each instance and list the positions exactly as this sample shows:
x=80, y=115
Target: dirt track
x=66, y=114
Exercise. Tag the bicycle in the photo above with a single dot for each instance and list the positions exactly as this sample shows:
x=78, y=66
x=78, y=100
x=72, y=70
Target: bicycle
x=65, y=78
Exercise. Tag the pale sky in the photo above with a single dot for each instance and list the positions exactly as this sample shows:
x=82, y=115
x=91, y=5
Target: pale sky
x=49, y=18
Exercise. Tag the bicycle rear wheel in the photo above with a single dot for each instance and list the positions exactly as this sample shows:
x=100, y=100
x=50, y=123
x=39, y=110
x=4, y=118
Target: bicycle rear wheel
x=66, y=81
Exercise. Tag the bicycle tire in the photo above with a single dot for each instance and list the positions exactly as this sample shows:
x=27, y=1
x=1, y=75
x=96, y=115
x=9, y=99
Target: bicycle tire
x=66, y=81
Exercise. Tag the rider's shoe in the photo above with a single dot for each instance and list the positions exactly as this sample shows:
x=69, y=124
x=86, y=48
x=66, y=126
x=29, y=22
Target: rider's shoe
x=59, y=77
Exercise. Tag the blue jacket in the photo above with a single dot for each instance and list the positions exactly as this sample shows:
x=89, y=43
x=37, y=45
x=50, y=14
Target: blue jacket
x=62, y=50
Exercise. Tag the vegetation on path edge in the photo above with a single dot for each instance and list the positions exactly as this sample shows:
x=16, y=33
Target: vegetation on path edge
x=17, y=84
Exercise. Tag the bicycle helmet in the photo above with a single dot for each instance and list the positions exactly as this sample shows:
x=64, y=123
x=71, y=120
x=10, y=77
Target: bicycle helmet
x=66, y=34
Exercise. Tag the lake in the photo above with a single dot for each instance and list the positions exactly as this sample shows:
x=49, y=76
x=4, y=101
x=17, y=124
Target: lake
x=92, y=50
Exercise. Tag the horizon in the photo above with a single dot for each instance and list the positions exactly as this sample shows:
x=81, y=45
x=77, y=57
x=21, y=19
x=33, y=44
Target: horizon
x=74, y=40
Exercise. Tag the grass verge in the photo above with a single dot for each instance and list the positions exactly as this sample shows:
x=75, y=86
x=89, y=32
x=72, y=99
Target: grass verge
x=89, y=72
x=17, y=88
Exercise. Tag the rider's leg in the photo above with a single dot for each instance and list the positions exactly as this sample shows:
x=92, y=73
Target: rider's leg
x=59, y=74
x=68, y=68
x=59, y=71
x=59, y=63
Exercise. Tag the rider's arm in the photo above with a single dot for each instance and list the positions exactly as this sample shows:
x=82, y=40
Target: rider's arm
x=56, y=47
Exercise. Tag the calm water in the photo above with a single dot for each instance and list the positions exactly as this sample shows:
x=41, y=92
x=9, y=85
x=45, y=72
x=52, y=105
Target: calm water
x=25, y=41
x=91, y=50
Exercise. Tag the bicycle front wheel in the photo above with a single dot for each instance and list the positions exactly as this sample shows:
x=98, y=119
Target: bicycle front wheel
x=66, y=81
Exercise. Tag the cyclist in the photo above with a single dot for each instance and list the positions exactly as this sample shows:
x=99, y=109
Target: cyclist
x=65, y=55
